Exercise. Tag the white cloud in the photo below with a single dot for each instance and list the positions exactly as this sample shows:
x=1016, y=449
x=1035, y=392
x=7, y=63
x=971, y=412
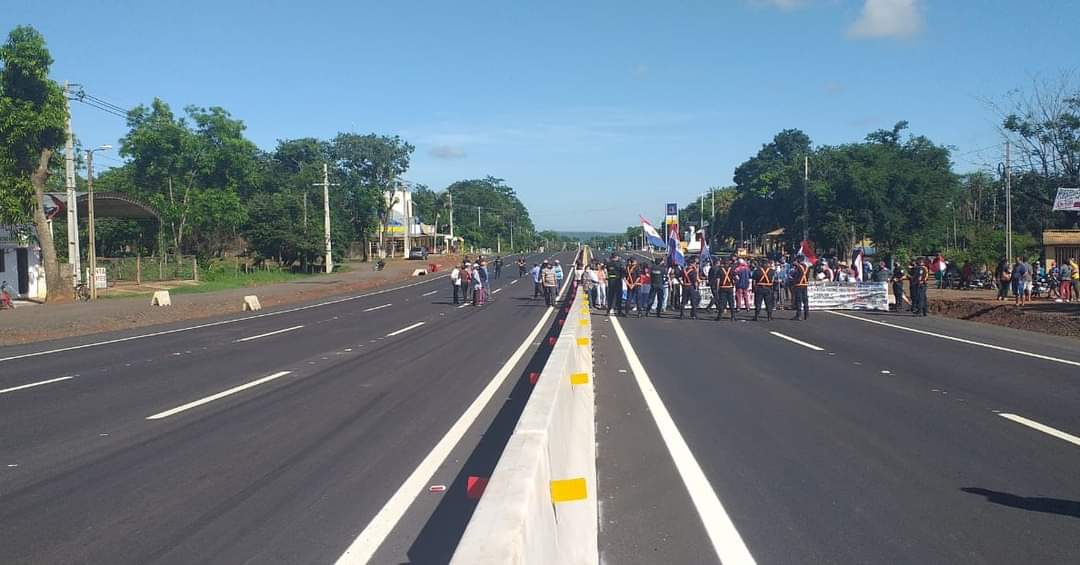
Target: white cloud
x=447, y=152
x=887, y=19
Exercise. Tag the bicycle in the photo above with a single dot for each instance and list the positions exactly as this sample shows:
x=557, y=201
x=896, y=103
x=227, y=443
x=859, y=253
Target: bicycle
x=82, y=292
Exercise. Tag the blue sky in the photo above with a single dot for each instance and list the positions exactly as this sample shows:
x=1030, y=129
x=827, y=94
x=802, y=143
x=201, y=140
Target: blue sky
x=593, y=111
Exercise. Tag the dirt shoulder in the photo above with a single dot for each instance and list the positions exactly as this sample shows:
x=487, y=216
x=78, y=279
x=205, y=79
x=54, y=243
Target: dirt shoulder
x=1043, y=315
x=30, y=323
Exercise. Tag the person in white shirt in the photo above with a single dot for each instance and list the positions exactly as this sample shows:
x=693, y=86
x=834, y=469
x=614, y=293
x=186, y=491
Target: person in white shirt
x=455, y=281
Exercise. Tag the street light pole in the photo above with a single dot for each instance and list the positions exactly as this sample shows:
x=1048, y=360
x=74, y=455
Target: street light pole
x=325, y=184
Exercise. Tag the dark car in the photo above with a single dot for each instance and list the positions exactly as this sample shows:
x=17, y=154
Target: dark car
x=418, y=253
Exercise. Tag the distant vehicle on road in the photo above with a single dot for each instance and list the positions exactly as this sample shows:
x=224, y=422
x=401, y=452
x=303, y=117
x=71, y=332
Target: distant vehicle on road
x=418, y=253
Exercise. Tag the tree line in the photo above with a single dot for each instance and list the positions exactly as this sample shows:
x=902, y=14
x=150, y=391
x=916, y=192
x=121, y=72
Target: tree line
x=900, y=190
x=215, y=190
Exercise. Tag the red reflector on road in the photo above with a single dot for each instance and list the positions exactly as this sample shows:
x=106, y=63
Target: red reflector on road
x=474, y=487
x=437, y=488
x=533, y=377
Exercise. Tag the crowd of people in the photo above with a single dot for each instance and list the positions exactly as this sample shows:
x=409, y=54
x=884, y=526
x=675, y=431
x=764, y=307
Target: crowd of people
x=627, y=286
x=1030, y=279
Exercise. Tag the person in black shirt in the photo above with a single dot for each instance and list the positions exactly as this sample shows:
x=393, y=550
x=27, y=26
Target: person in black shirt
x=689, y=282
x=614, y=284
x=800, y=280
x=724, y=288
x=498, y=266
x=658, y=274
x=919, y=275
x=898, y=277
x=764, y=280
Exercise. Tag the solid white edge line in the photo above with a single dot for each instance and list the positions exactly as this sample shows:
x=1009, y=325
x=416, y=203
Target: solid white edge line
x=367, y=542
x=726, y=541
x=405, y=329
x=269, y=333
x=429, y=293
x=218, y=323
x=960, y=340
x=214, y=324
x=32, y=385
x=374, y=308
x=217, y=396
x=798, y=341
x=1041, y=427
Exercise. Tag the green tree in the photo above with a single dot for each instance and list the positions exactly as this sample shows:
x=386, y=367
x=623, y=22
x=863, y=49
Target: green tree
x=486, y=210
x=32, y=114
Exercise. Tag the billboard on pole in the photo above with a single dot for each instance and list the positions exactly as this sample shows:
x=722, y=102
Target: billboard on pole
x=1067, y=199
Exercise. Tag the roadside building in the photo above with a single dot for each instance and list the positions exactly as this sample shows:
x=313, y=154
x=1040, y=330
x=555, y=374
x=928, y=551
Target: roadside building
x=1060, y=245
x=20, y=262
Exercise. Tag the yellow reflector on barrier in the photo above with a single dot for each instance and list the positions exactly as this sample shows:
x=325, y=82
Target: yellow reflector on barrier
x=568, y=490
x=579, y=379
x=583, y=341
x=584, y=321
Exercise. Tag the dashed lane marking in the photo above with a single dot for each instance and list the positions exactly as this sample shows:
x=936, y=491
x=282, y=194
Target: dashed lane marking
x=798, y=341
x=267, y=334
x=1041, y=427
x=32, y=385
x=374, y=308
x=213, y=397
x=405, y=329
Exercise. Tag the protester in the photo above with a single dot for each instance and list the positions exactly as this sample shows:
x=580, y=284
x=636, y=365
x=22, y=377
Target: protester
x=1065, y=286
x=549, y=282
x=537, y=290
x=558, y=273
x=898, y=278
x=920, y=277
x=455, y=282
x=742, y=286
x=725, y=289
x=521, y=267
x=690, y=293
x=1003, y=276
x=630, y=287
x=644, y=282
x=764, y=278
x=1022, y=281
x=1075, y=278
x=481, y=283
x=658, y=280
x=614, y=284
x=601, y=287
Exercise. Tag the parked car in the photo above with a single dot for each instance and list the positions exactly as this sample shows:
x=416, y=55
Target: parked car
x=418, y=253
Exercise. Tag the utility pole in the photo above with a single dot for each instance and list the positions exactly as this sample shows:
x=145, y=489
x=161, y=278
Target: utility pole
x=805, y=199
x=406, y=208
x=451, y=196
x=326, y=184
x=72, y=197
x=1008, y=204
x=92, y=249
x=478, y=217
x=511, y=235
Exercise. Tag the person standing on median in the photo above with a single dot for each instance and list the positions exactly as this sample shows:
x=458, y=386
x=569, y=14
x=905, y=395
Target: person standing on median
x=550, y=282
x=455, y=283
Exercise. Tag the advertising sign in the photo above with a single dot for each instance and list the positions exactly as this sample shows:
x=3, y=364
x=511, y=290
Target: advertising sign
x=849, y=296
x=1068, y=199
x=100, y=280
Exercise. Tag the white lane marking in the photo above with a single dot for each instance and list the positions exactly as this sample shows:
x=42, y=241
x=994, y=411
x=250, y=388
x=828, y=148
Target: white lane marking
x=728, y=544
x=217, y=396
x=515, y=281
x=214, y=324
x=496, y=291
x=1041, y=427
x=798, y=341
x=960, y=340
x=405, y=329
x=32, y=385
x=374, y=308
x=374, y=534
x=429, y=293
x=269, y=334
x=462, y=306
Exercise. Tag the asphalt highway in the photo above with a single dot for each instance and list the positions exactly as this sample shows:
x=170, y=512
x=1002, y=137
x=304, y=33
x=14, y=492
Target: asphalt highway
x=268, y=438
x=850, y=438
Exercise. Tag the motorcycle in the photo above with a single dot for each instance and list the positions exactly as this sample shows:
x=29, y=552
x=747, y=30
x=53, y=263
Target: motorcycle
x=379, y=266
x=5, y=297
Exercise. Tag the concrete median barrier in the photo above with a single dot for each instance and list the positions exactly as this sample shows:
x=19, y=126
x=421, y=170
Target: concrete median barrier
x=540, y=505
